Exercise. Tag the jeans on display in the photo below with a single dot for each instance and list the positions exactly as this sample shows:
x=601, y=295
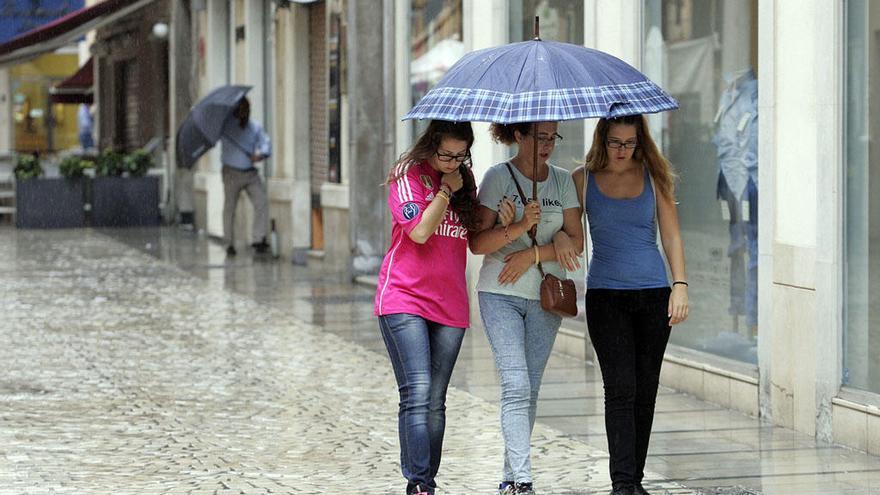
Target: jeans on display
x=422, y=354
x=743, y=251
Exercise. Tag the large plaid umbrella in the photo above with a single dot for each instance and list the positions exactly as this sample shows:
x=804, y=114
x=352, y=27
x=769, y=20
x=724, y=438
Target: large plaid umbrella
x=538, y=81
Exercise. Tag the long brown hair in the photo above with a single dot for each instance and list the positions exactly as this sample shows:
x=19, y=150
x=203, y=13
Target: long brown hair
x=463, y=201
x=646, y=152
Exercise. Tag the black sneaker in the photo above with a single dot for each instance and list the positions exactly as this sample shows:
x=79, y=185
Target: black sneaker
x=418, y=489
x=230, y=251
x=524, y=489
x=640, y=490
x=623, y=490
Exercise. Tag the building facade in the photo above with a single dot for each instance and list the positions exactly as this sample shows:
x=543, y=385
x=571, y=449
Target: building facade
x=778, y=192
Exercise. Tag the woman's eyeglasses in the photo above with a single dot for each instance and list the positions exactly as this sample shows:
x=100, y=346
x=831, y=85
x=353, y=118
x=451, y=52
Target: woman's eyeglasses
x=544, y=139
x=616, y=145
x=465, y=158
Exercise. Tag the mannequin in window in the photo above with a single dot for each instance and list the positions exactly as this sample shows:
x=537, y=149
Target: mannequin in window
x=736, y=138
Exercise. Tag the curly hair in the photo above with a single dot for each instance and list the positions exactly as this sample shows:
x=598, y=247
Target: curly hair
x=464, y=201
x=505, y=133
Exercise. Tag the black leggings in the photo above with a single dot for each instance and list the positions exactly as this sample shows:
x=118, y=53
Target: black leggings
x=629, y=330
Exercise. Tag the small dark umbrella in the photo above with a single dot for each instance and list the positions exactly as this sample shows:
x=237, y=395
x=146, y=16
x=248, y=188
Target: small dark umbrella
x=202, y=127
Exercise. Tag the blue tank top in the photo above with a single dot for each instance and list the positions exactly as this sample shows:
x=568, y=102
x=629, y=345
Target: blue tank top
x=624, y=235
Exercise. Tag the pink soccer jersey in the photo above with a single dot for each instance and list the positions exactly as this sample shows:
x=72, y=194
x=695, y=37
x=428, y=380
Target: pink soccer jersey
x=427, y=279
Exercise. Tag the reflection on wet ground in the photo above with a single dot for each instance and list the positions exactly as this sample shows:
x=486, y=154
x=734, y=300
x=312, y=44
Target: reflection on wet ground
x=146, y=361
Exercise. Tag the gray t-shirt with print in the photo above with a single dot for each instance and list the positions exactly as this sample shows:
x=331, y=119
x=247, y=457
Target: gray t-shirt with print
x=556, y=193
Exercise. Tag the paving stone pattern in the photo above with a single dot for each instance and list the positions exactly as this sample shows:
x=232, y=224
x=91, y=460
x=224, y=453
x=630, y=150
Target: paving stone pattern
x=123, y=374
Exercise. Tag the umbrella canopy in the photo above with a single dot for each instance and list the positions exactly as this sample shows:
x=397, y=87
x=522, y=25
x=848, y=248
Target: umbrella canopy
x=202, y=127
x=535, y=81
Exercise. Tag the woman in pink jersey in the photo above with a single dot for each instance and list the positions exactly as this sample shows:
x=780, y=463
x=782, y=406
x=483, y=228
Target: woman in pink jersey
x=422, y=300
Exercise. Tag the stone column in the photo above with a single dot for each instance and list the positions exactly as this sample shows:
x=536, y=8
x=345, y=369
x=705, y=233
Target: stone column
x=368, y=26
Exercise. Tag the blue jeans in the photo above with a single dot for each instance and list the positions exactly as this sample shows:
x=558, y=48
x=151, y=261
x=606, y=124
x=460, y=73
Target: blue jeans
x=423, y=354
x=521, y=335
x=743, y=243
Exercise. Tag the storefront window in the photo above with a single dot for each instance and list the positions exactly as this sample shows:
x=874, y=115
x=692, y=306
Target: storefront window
x=560, y=20
x=704, y=52
x=435, y=44
x=40, y=125
x=862, y=346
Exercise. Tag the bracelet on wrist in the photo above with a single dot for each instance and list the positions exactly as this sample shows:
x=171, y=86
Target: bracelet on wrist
x=443, y=195
x=537, y=255
x=507, y=234
x=679, y=282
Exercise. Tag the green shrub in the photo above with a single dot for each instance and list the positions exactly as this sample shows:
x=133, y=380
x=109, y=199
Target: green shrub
x=73, y=167
x=110, y=164
x=138, y=162
x=27, y=166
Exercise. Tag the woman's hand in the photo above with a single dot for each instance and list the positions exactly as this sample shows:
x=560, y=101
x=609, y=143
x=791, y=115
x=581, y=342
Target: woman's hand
x=678, y=304
x=506, y=211
x=515, y=264
x=531, y=214
x=452, y=180
x=566, y=254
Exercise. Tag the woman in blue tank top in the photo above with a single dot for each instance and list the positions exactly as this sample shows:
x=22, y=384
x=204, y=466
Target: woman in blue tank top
x=626, y=188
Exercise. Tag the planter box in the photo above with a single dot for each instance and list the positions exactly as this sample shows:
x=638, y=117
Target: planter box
x=55, y=203
x=125, y=201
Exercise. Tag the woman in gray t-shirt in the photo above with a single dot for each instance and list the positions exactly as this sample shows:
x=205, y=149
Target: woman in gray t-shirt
x=520, y=332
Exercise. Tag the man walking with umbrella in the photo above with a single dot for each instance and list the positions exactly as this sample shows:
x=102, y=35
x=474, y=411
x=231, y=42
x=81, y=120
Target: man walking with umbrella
x=244, y=143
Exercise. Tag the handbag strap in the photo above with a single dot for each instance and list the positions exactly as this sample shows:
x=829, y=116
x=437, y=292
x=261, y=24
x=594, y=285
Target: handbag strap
x=522, y=198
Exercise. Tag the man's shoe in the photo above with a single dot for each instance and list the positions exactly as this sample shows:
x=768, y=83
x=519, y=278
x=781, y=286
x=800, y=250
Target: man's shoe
x=261, y=247
x=640, y=490
x=230, y=251
x=623, y=490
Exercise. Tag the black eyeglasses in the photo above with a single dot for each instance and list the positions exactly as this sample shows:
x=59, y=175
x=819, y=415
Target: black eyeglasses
x=616, y=145
x=465, y=158
x=544, y=139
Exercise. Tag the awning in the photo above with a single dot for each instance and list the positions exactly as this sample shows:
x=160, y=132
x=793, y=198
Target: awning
x=77, y=88
x=49, y=37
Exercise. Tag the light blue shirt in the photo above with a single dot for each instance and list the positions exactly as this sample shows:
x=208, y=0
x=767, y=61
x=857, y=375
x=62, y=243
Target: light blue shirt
x=85, y=119
x=736, y=135
x=238, y=144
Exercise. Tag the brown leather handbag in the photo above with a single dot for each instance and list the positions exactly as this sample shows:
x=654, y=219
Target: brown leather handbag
x=557, y=296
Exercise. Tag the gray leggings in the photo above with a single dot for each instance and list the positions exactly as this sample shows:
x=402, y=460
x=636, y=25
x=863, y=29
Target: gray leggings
x=521, y=335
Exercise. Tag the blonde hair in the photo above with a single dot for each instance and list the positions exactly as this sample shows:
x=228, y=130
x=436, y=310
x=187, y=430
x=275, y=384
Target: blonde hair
x=646, y=152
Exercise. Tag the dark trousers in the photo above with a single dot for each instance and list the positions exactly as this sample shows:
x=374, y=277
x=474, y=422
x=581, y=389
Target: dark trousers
x=629, y=330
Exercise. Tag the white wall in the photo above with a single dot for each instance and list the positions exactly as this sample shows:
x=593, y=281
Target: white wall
x=217, y=73
x=801, y=132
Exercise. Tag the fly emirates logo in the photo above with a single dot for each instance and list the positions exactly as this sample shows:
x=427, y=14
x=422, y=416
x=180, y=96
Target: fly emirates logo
x=451, y=226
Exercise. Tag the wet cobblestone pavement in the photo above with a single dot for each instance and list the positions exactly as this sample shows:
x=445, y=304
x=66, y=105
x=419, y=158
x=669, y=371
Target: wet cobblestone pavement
x=146, y=361
x=125, y=374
